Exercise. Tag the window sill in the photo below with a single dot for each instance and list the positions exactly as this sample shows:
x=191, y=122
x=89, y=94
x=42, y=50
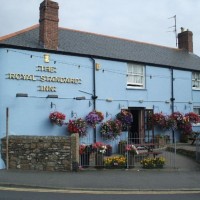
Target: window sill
x=198, y=124
x=135, y=88
x=196, y=89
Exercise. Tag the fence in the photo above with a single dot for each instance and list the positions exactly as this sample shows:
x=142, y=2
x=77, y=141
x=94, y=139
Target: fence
x=198, y=149
x=131, y=153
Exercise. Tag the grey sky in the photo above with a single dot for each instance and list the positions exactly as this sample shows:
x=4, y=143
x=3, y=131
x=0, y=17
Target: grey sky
x=140, y=20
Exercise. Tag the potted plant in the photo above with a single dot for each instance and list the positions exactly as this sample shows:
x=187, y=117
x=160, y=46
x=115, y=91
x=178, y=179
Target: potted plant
x=160, y=140
x=100, y=149
x=84, y=152
x=77, y=126
x=111, y=129
x=57, y=118
x=126, y=119
x=108, y=150
x=94, y=118
x=115, y=162
x=121, y=147
x=131, y=151
x=151, y=163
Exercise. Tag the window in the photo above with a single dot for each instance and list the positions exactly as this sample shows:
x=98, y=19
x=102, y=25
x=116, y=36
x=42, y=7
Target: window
x=135, y=76
x=196, y=80
x=196, y=110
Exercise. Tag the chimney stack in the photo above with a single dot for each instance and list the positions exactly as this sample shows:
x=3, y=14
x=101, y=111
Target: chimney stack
x=48, y=29
x=185, y=40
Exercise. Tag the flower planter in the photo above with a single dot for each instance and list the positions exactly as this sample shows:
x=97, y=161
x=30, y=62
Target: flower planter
x=108, y=152
x=126, y=119
x=130, y=160
x=159, y=166
x=115, y=162
x=160, y=141
x=116, y=167
x=57, y=118
x=99, y=160
x=85, y=159
x=77, y=126
x=153, y=163
x=111, y=129
x=121, y=148
x=94, y=118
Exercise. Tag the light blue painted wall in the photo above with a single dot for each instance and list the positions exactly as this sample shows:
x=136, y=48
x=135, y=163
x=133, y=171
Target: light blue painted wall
x=30, y=115
x=182, y=91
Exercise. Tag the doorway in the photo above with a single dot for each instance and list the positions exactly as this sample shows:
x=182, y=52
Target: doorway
x=136, y=130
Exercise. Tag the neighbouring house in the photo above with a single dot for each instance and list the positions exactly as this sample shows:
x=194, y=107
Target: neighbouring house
x=46, y=68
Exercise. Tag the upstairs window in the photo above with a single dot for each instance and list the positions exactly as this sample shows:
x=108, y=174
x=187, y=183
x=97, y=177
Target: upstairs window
x=135, y=76
x=196, y=80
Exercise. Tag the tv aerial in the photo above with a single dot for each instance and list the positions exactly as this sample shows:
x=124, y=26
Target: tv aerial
x=174, y=27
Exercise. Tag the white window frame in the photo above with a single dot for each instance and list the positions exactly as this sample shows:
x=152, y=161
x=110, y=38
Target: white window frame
x=135, y=78
x=197, y=111
x=196, y=80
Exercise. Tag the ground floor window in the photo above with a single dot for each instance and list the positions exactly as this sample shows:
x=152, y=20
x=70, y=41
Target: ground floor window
x=196, y=110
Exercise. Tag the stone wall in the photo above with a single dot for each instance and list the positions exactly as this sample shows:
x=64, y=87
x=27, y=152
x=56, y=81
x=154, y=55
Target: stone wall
x=48, y=153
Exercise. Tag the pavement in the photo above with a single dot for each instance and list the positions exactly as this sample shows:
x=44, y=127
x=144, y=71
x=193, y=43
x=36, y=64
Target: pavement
x=185, y=177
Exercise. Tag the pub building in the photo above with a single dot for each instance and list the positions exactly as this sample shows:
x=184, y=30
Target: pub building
x=46, y=68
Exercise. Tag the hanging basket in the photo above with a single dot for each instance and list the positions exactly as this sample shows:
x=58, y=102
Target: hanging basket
x=57, y=118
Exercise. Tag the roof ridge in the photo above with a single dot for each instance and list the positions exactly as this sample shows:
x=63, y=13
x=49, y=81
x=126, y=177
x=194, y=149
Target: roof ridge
x=8, y=36
x=115, y=37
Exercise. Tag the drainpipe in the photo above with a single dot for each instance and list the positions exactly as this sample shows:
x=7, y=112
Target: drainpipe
x=94, y=97
x=172, y=98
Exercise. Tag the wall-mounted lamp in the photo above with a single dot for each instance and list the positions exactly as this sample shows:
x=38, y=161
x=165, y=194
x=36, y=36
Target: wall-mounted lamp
x=97, y=66
x=187, y=107
x=73, y=114
x=141, y=101
x=156, y=107
x=79, y=98
x=109, y=100
x=53, y=104
x=21, y=95
x=52, y=96
x=46, y=58
x=121, y=106
x=190, y=102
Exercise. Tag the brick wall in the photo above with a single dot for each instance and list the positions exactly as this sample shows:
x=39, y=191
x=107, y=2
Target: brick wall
x=47, y=153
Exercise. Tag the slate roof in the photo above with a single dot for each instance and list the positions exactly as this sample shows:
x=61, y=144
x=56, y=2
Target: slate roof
x=90, y=44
